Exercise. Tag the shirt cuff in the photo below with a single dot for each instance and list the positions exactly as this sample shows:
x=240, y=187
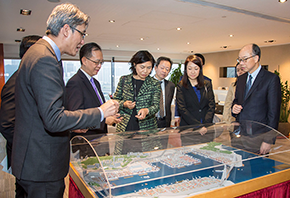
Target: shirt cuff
x=102, y=114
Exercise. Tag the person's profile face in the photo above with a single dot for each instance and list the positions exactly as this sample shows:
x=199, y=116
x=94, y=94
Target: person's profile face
x=93, y=64
x=247, y=59
x=143, y=70
x=76, y=40
x=240, y=71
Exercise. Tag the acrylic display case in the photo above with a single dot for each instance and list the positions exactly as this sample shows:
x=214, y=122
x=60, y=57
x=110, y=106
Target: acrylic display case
x=181, y=162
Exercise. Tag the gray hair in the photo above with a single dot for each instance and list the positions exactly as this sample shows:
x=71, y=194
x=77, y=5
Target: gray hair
x=65, y=14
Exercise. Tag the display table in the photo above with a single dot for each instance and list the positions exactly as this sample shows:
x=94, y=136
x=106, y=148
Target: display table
x=181, y=162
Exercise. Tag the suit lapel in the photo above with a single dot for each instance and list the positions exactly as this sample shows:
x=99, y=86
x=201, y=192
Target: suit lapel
x=257, y=81
x=89, y=86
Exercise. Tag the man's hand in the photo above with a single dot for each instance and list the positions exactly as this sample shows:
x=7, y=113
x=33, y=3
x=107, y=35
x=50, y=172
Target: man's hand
x=115, y=119
x=176, y=121
x=129, y=104
x=142, y=113
x=110, y=108
x=237, y=109
x=202, y=131
x=265, y=148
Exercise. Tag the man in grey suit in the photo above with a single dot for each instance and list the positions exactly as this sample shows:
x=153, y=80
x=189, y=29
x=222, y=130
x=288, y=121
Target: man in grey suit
x=257, y=98
x=40, y=152
x=162, y=69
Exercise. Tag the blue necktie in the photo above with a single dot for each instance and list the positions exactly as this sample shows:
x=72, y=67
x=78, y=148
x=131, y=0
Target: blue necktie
x=96, y=90
x=248, y=85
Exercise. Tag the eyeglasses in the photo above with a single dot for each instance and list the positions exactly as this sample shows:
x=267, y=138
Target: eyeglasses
x=82, y=33
x=239, y=60
x=96, y=62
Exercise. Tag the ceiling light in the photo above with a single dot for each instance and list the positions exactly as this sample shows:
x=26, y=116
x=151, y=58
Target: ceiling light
x=112, y=21
x=25, y=12
x=224, y=46
x=17, y=41
x=178, y=28
x=54, y=1
x=188, y=43
x=270, y=41
x=282, y=1
x=117, y=45
x=158, y=48
x=231, y=35
x=141, y=39
x=20, y=30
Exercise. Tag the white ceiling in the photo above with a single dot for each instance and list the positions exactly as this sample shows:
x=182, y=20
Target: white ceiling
x=206, y=25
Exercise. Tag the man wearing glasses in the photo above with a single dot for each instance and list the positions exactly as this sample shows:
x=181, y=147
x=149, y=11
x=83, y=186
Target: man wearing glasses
x=83, y=91
x=258, y=97
x=41, y=148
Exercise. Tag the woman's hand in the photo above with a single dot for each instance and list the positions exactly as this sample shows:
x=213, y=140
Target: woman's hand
x=142, y=113
x=129, y=104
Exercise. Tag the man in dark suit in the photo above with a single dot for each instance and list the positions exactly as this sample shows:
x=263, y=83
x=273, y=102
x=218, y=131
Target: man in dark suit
x=7, y=111
x=41, y=149
x=162, y=69
x=258, y=96
x=83, y=91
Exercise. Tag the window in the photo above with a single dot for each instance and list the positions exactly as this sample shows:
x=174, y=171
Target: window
x=10, y=66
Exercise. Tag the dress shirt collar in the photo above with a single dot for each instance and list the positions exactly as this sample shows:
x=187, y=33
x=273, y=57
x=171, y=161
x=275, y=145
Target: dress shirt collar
x=54, y=47
x=254, y=74
x=86, y=74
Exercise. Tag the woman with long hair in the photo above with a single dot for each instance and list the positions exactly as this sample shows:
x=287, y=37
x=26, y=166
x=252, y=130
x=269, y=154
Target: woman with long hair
x=195, y=98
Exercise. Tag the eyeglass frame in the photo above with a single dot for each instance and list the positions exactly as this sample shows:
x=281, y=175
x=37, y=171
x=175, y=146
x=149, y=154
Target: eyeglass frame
x=82, y=33
x=96, y=62
x=239, y=60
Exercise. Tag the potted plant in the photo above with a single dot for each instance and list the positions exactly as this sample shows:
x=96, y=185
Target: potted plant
x=176, y=74
x=284, y=125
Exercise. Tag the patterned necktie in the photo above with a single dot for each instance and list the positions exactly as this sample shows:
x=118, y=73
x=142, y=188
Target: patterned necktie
x=248, y=85
x=96, y=90
x=161, y=112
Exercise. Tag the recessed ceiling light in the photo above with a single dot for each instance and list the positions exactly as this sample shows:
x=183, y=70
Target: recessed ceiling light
x=20, y=30
x=270, y=41
x=141, y=39
x=17, y=41
x=178, y=28
x=117, y=45
x=224, y=46
x=112, y=21
x=282, y=1
x=25, y=12
x=158, y=48
x=187, y=43
x=231, y=35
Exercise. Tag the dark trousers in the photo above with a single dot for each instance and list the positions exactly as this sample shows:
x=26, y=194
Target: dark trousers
x=161, y=122
x=32, y=189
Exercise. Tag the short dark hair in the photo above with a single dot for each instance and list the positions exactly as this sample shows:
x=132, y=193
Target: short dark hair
x=256, y=50
x=86, y=50
x=141, y=56
x=163, y=58
x=26, y=43
x=200, y=79
x=201, y=57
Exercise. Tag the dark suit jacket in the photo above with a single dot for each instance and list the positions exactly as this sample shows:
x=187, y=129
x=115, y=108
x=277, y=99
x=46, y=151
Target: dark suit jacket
x=7, y=114
x=81, y=95
x=190, y=109
x=262, y=103
x=169, y=92
x=41, y=150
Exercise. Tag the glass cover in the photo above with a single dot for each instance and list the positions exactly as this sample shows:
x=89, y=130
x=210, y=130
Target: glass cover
x=178, y=162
